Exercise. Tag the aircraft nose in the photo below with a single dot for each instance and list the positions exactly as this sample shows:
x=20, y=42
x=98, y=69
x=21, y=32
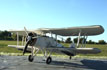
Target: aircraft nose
x=29, y=38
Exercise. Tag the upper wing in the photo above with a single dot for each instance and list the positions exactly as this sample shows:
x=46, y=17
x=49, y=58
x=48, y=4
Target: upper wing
x=74, y=31
x=20, y=32
x=23, y=33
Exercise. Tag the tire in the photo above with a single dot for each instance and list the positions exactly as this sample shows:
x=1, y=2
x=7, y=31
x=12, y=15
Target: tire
x=49, y=60
x=30, y=58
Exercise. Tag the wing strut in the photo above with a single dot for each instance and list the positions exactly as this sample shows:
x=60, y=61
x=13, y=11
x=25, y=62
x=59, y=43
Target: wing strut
x=84, y=41
x=23, y=40
x=17, y=39
x=56, y=39
x=78, y=38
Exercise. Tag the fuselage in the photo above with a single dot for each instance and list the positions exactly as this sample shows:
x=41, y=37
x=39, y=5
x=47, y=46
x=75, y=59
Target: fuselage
x=46, y=42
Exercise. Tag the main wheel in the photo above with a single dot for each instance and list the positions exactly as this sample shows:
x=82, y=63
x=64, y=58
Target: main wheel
x=49, y=60
x=30, y=58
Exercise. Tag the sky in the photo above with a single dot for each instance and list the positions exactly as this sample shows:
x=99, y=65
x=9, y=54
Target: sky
x=33, y=14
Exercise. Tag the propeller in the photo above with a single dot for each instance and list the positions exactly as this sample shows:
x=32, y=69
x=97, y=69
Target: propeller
x=29, y=39
x=26, y=31
x=26, y=47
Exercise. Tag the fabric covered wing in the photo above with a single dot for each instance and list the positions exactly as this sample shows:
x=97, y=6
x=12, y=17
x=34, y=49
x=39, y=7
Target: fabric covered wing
x=19, y=47
x=67, y=51
x=74, y=51
x=20, y=32
x=23, y=33
x=74, y=31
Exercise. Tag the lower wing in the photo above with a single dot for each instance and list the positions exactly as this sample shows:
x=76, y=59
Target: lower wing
x=67, y=51
x=74, y=51
x=19, y=47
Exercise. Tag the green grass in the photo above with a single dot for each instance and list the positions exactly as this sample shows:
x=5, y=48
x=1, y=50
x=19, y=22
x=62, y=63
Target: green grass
x=5, y=49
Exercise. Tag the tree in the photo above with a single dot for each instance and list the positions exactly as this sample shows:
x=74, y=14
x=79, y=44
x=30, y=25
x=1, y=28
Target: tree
x=81, y=39
x=75, y=40
x=68, y=40
x=1, y=35
x=5, y=35
x=14, y=37
x=90, y=42
x=101, y=42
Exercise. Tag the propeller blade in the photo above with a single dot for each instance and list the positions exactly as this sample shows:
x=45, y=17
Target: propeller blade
x=26, y=30
x=25, y=47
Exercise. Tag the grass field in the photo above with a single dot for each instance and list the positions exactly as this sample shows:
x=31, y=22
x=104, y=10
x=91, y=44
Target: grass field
x=5, y=49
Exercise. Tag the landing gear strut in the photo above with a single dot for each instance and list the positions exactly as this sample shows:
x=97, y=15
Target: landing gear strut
x=70, y=57
x=49, y=60
x=30, y=58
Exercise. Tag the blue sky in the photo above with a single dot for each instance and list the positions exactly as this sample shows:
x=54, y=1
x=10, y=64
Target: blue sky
x=33, y=14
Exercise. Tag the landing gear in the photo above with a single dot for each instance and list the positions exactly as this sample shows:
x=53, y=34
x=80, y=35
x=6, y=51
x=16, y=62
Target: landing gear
x=70, y=57
x=49, y=60
x=30, y=58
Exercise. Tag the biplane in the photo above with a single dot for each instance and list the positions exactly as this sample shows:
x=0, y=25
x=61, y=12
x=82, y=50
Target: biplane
x=37, y=40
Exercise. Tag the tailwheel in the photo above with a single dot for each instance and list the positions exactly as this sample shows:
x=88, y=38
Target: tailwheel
x=70, y=57
x=49, y=60
x=30, y=58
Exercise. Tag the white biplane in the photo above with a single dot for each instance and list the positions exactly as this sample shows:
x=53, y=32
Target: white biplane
x=36, y=40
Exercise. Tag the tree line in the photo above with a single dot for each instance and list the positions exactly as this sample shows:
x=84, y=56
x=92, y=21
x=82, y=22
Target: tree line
x=5, y=35
x=68, y=40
